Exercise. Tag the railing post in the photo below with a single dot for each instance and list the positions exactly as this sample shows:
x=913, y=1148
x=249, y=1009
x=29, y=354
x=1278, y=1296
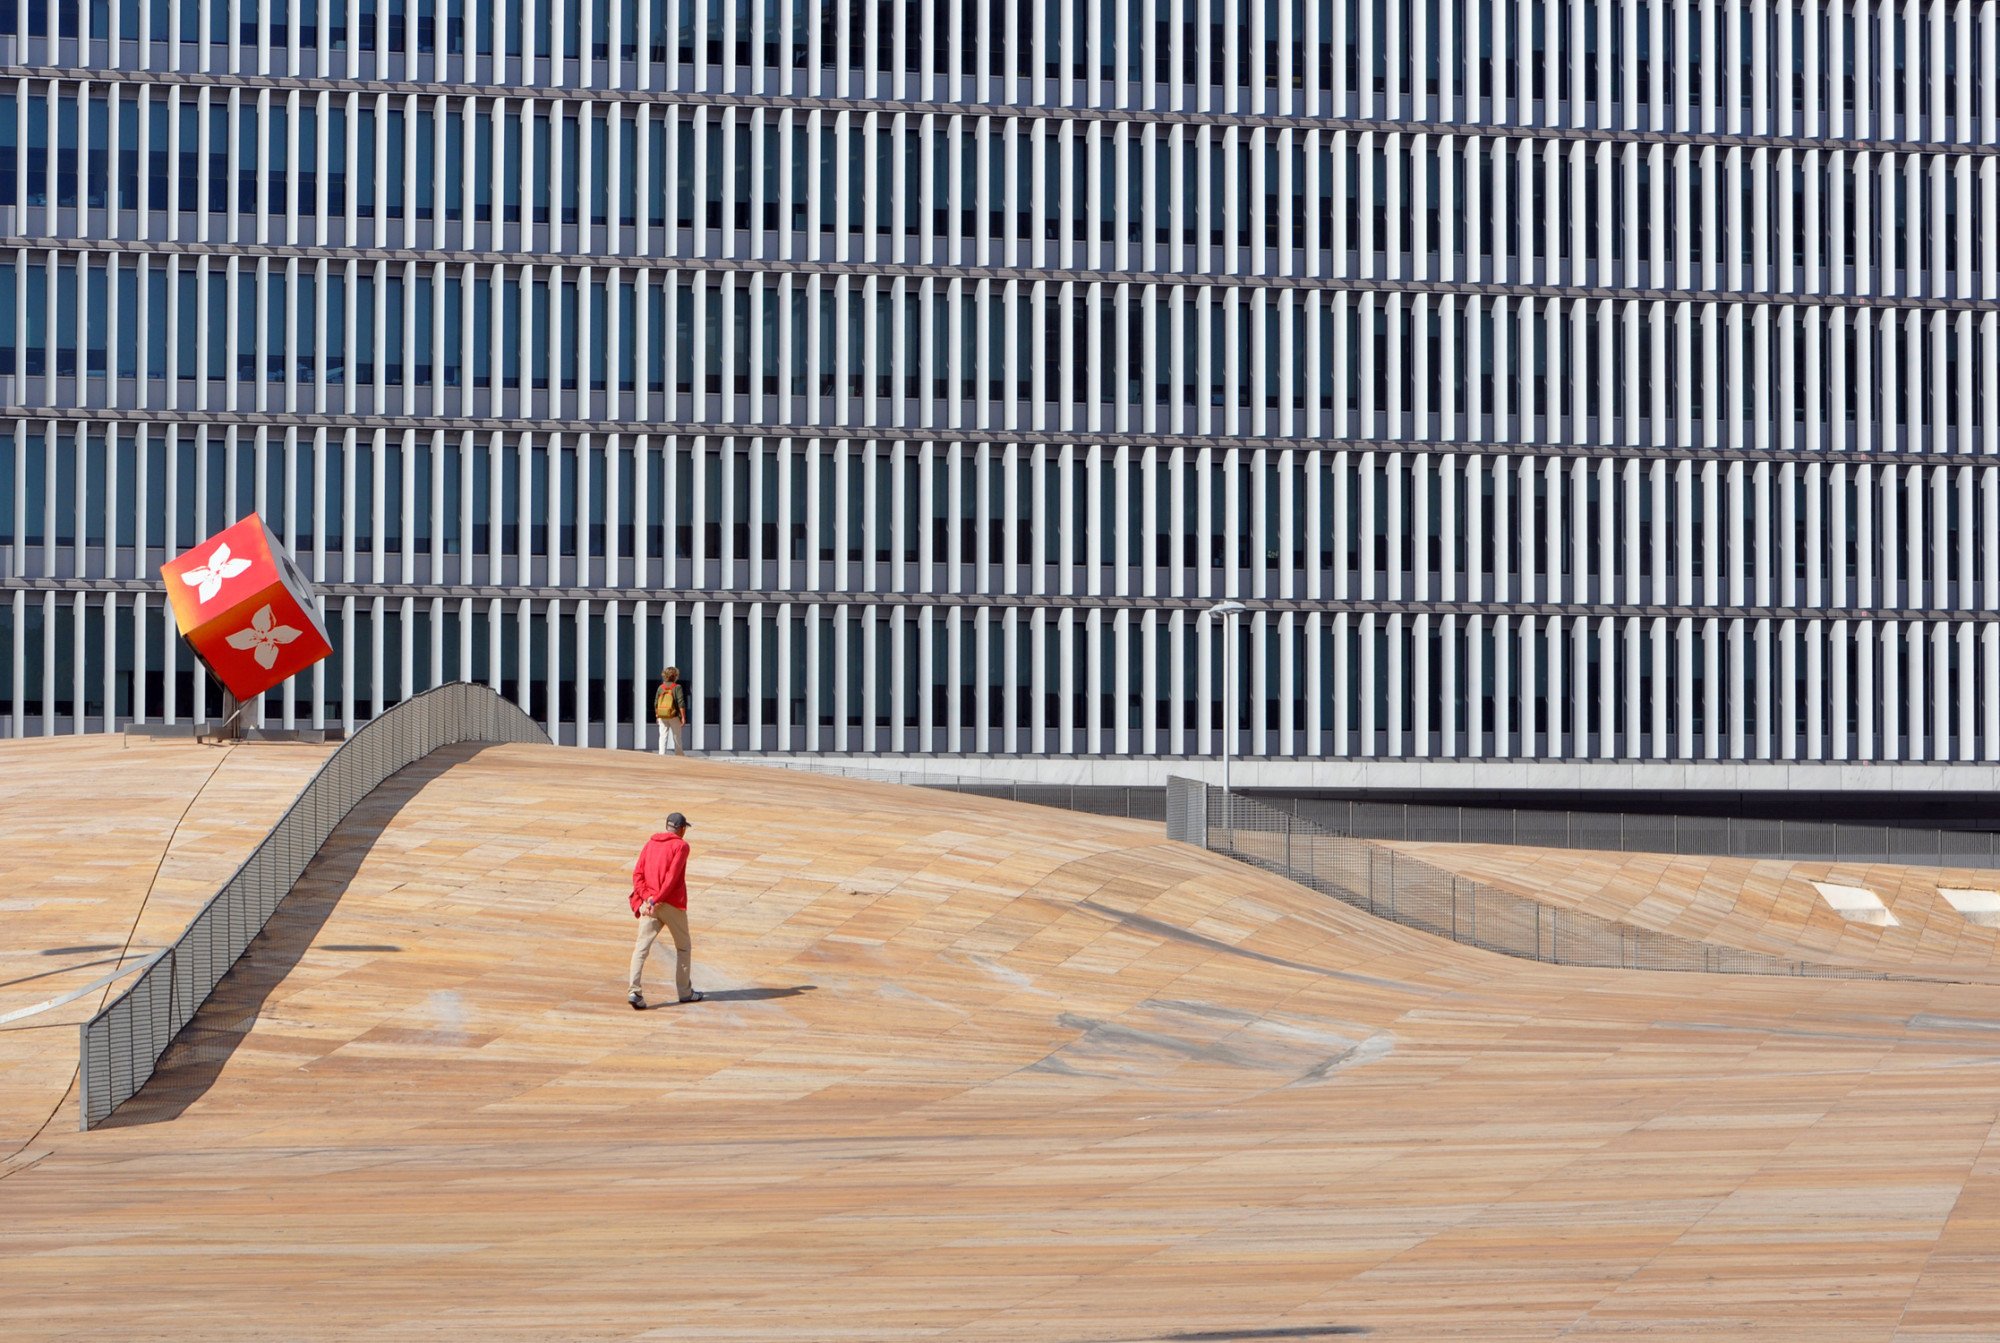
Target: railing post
x=82, y=1076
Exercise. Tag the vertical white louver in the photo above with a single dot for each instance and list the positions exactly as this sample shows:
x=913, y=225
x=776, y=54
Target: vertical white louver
x=1555, y=380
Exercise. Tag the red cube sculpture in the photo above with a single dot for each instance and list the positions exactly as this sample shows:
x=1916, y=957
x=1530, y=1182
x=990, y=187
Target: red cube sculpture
x=245, y=609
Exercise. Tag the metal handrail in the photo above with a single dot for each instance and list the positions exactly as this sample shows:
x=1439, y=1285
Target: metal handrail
x=119, y=1048
x=1406, y=890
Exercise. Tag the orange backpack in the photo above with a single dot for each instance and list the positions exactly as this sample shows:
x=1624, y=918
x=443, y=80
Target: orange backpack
x=669, y=702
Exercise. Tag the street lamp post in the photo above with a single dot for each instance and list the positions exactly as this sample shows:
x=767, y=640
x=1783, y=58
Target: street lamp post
x=1228, y=611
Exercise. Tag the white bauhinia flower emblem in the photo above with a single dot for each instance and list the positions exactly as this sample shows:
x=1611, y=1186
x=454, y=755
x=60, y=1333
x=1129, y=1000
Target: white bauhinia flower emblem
x=264, y=637
x=208, y=578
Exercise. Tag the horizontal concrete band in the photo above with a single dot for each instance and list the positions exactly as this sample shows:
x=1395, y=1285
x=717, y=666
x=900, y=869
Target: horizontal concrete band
x=285, y=421
x=654, y=96
x=1350, y=773
x=1054, y=274
x=1052, y=601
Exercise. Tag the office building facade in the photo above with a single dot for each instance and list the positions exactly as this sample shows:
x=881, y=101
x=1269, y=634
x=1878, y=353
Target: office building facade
x=1562, y=386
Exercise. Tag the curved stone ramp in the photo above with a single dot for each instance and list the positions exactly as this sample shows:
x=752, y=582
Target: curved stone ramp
x=1766, y=905
x=85, y=823
x=983, y=1071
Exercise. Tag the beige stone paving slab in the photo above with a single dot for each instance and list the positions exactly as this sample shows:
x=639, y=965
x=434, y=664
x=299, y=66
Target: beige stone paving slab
x=1082, y=1086
x=1761, y=905
x=106, y=850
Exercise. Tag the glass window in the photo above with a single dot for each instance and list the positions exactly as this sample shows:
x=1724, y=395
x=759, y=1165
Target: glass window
x=396, y=162
x=538, y=500
x=337, y=160
x=336, y=326
x=186, y=322
x=246, y=324
x=246, y=161
x=454, y=299
x=684, y=339
x=711, y=344
x=600, y=167
x=482, y=334
x=304, y=322
x=510, y=332
x=423, y=330
x=656, y=153
x=9, y=366
x=712, y=177
x=538, y=335
x=38, y=151
x=365, y=162
x=392, y=330
x=571, y=335
x=426, y=165
x=600, y=311
x=656, y=343
x=628, y=336
x=97, y=174
x=97, y=319
x=219, y=158
x=741, y=178
x=628, y=168
x=364, y=328
x=799, y=169
x=9, y=152
x=66, y=150
x=277, y=166
x=67, y=280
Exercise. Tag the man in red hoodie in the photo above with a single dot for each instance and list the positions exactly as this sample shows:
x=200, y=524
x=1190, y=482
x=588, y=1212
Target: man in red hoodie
x=659, y=900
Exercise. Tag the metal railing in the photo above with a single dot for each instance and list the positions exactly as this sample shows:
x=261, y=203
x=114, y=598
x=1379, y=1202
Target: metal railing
x=121, y=1046
x=1416, y=894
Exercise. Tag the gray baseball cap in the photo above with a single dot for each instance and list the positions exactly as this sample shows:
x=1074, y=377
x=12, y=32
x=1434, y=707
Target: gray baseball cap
x=676, y=821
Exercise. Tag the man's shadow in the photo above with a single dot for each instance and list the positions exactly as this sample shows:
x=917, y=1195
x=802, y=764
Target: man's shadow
x=197, y=1056
x=739, y=996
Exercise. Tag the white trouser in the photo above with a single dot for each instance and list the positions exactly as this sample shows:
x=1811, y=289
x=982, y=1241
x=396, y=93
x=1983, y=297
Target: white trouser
x=676, y=731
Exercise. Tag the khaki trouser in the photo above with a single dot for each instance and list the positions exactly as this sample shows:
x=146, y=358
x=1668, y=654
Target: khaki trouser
x=675, y=921
x=675, y=730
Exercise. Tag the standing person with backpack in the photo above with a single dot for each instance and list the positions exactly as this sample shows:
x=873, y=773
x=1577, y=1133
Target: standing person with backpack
x=670, y=706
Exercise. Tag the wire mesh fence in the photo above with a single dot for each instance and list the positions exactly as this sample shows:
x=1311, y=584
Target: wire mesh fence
x=1416, y=894
x=121, y=1046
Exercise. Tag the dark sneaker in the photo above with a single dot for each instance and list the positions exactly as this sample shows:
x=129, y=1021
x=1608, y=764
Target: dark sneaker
x=637, y=1000
x=694, y=998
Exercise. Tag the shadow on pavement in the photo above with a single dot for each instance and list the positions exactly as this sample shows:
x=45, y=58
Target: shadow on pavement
x=197, y=1057
x=739, y=996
